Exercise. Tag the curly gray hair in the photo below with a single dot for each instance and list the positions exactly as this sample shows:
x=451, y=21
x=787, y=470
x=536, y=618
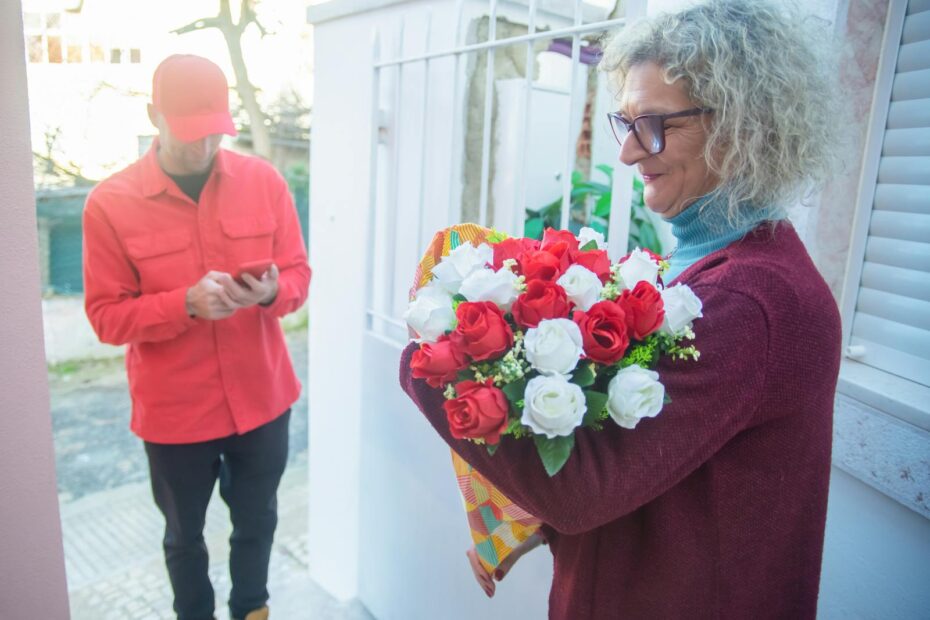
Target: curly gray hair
x=770, y=81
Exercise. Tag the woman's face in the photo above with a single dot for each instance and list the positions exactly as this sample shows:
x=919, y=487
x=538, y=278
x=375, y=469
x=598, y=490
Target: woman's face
x=679, y=174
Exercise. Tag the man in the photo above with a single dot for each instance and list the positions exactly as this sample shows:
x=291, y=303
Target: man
x=167, y=242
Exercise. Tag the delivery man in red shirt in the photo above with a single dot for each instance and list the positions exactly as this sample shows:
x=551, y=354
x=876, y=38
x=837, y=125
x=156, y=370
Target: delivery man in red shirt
x=191, y=256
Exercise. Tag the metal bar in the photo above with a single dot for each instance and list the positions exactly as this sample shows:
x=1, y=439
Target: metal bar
x=545, y=34
x=390, y=320
x=397, y=344
x=373, y=166
x=519, y=211
x=455, y=125
x=424, y=111
x=486, y=126
x=572, y=131
x=621, y=203
x=391, y=234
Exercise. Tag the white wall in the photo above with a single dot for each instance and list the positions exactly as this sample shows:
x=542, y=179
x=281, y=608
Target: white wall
x=876, y=562
x=32, y=569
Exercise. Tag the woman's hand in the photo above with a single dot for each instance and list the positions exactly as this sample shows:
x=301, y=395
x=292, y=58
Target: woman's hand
x=481, y=574
x=484, y=578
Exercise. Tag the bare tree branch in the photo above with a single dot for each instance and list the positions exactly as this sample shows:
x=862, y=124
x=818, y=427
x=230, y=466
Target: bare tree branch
x=232, y=33
x=200, y=24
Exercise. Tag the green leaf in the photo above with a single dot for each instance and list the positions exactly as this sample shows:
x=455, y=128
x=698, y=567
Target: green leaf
x=667, y=399
x=608, y=170
x=533, y=228
x=590, y=245
x=598, y=187
x=577, y=177
x=554, y=452
x=496, y=236
x=596, y=401
x=584, y=375
x=459, y=298
x=602, y=207
x=492, y=449
x=514, y=391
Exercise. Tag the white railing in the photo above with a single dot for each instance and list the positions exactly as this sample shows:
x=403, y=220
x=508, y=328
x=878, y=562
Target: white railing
x=386, y=298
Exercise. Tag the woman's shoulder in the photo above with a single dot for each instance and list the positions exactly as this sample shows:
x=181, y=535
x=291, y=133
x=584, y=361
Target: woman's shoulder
x=771, y=267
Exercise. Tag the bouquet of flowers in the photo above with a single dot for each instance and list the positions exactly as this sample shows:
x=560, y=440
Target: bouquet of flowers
x=535, y=339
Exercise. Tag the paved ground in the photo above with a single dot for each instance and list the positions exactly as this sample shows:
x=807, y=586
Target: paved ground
x=112, y=530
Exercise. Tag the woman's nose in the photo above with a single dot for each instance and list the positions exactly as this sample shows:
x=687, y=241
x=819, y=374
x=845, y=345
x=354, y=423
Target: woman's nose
x=631, y=151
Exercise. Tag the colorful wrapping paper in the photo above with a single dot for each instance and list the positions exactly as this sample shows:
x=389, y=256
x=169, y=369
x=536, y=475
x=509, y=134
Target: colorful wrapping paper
x=497, y=524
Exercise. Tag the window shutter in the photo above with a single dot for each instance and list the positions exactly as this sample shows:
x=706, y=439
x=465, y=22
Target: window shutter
x=891, y=326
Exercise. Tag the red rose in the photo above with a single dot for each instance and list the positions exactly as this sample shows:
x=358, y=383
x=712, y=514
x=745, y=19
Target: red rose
x=561, y=244
x=594, y=260
x=541, y=300
x=512, y=247
x=479, y=411
x=482, y=331
x=439, y=362
x=553, y=237
x=603, y=332
x=540, y=265
x=643, y=308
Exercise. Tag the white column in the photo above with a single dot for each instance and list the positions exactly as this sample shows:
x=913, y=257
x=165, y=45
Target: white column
x=32, y=569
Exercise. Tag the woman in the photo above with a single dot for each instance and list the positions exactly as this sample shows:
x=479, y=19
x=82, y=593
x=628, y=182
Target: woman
x=716, y=507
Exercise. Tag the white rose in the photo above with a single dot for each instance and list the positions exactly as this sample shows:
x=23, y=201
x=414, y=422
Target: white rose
x=500, y=287
x=586, y=235
x=554, y=346
x=582, y=286
x=639, y=266
x=553, y=406
x=682, y=306
x=461, y=263
x=430, y=313
x=635, y=393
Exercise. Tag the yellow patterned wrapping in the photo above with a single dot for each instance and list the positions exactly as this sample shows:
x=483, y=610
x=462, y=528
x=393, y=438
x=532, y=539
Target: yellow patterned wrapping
x=497, y=524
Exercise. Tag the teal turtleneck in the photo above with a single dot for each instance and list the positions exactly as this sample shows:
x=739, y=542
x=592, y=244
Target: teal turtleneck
x=703, y=228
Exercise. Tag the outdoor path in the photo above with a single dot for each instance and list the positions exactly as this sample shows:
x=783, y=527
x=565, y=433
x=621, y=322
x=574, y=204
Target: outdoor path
x=112, y=530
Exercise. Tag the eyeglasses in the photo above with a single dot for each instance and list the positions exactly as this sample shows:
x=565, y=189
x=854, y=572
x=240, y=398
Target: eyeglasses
x=649, y=129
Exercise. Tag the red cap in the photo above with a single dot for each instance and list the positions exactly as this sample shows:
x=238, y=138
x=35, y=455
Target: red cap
x=192, y=94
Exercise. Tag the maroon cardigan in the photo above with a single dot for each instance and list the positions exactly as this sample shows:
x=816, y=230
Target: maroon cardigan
x=715, y=508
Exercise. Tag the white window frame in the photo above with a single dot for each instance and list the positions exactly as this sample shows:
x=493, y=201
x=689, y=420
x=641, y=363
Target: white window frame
x=882, y=421
x=887, y=392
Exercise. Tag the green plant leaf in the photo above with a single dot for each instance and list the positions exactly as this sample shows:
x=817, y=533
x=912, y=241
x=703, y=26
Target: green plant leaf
x=584, y=376
x=533, y=228
x=514, y=391
x=590, y=245
x=459, y=298
x=596, y=401
x=554, y=452
x=492, y=449
x=602, y=206
x=608, y=170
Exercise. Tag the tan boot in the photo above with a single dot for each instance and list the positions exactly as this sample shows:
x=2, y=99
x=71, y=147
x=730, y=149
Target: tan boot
x=257, y=614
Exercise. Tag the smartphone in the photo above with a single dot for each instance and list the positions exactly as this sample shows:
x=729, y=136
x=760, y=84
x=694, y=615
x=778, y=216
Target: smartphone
x=255, y=268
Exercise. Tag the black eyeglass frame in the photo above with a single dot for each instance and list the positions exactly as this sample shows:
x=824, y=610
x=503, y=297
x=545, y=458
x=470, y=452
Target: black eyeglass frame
x=655, y=120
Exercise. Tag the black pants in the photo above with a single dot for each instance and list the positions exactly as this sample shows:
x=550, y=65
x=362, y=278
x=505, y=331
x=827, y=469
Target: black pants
x=249, y=468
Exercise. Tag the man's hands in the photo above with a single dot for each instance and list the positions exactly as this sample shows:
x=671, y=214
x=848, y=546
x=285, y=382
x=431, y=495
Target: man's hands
x=218, y=295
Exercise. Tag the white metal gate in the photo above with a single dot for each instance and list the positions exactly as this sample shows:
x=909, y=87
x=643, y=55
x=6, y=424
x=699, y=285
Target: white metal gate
x=399, y=232
x=392, y=162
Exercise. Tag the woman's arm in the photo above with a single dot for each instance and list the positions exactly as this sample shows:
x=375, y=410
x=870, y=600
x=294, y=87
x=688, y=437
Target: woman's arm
x=615, y=471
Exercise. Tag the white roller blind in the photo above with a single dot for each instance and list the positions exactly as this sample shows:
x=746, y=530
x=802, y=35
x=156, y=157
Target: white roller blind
x=891, y=326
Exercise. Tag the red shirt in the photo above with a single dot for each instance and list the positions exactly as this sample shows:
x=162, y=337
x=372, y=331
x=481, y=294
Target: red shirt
x=145, y=244
x=716, y=507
